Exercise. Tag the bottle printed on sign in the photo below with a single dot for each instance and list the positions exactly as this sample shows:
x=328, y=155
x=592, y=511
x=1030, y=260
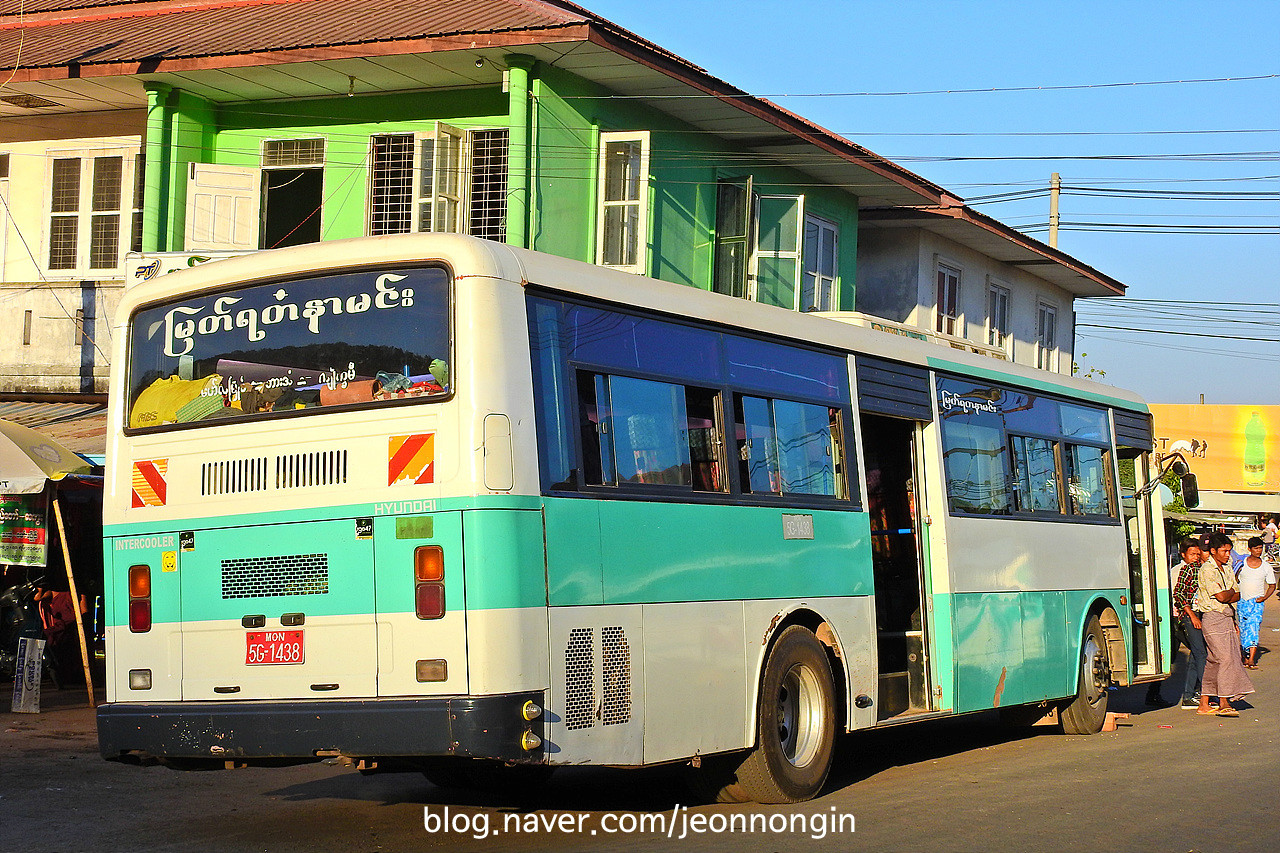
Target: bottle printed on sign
x=1255, y=452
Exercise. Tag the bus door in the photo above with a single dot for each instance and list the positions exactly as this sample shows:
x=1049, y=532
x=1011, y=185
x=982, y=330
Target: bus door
x=893, y=468
x=1140, y=536
x=280, y=611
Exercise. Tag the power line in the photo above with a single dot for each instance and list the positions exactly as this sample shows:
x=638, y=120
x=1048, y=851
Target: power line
x=895, y=94
x=1178, y=332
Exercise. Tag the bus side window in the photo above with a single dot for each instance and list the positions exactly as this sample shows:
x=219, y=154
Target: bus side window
x=705, y=440
x=593, y=414
x=757, y=447
x=786, y=447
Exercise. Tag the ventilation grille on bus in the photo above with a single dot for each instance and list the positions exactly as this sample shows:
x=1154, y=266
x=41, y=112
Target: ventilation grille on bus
x=580, y=679
x=617, y=677
x=580, y=655
x=324, y=468
x=293, y=471
x=234, y=476
x=261, y=577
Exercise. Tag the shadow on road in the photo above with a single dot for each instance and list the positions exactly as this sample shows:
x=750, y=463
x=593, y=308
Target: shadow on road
x=589, y=789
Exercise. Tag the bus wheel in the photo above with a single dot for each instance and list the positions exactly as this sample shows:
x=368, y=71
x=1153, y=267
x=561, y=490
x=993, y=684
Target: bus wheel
x=795, y=727
x=1088, y=711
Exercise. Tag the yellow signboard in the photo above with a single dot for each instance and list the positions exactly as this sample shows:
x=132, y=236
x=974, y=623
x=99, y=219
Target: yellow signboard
x=1229, y=448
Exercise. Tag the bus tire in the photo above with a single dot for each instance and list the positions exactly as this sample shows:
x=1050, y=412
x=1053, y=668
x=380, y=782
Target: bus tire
x=795, y=724
x=1088, y=711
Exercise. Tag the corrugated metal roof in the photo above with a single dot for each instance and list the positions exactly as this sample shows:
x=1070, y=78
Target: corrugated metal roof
x=36, y=7
x=81, y=427
x=142, y=32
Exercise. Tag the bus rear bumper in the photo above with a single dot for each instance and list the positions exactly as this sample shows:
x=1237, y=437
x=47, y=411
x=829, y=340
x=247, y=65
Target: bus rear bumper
x=492, y=727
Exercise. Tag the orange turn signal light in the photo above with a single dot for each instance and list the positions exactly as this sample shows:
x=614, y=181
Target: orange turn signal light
x=428, y=563
x=139, y=581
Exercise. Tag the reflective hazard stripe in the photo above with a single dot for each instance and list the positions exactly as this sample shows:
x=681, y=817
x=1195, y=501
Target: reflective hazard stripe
x=149, y=485
x=411, y=459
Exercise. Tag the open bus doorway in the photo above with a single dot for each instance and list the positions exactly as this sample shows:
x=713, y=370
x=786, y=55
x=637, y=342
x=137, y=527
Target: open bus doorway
x=902, y=630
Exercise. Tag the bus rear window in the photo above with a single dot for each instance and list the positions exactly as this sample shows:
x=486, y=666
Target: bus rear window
x=292, y=346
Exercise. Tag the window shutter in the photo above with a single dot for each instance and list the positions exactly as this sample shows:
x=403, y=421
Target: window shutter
x=779, y=237
x=222, y=207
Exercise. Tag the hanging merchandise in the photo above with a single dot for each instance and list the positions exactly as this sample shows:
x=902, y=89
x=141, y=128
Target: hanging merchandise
x=24, y=530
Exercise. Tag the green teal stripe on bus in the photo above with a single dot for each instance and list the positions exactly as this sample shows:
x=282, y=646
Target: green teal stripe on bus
x=1018, y=647
x=503, y=555
x=1035, y=384
x=630, y=552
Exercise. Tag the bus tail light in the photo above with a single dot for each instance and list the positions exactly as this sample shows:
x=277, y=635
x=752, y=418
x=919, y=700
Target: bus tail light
x=428, y=576
x=139, y=599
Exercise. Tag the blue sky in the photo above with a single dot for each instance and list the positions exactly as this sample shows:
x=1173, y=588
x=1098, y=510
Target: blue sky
x=812, y=47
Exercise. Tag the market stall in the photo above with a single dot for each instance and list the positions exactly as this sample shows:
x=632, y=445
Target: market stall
x=37, y=478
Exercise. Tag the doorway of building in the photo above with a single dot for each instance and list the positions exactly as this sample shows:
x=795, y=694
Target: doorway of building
x=291, y=201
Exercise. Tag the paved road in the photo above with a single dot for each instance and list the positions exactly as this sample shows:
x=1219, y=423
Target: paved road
x=964, y=784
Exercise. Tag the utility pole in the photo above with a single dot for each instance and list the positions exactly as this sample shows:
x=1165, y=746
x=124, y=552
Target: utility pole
x=1055, y=189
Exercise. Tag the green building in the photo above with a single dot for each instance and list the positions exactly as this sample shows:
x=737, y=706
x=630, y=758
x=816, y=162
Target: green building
x=197, y=127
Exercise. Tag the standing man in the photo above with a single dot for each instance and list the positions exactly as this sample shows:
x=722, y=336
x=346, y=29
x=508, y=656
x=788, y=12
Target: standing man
x=1187, y=627
x=1224, y=675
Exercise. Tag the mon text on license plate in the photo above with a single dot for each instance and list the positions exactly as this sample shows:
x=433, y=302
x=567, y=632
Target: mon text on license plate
x=263, y=647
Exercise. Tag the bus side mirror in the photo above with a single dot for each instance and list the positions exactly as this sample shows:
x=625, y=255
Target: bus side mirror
x=1190, y=491
x=1180, y=468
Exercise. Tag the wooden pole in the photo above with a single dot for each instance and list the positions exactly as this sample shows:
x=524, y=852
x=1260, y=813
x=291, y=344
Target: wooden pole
x=75, y=601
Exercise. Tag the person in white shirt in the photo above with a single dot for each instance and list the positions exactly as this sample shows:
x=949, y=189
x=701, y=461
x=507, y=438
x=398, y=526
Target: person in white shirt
x=1257, y=583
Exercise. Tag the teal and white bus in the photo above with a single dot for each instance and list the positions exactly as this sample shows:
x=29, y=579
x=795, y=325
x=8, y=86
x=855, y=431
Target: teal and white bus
x=431, y=501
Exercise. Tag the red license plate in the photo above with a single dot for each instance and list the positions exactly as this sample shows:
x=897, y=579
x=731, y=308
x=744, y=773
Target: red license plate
x=273, y=647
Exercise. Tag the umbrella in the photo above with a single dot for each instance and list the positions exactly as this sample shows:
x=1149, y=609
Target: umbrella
x=28, y=459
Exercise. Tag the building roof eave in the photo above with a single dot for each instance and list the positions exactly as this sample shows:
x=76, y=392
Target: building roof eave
x=1001, y=242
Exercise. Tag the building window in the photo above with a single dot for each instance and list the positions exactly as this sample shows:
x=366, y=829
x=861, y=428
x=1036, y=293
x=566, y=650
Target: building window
x=139, y=189
x=26, y=327
x=285, y=153
x=420, y=182
x=997, y=316
x=734, y=203
x=622, y=219
x=104, y=243
x=1046, y=336
x=761, y=247
x=818, y=286
x=948, y=301
x=88, y=222
x=391, y=184
x=488, y=203
x=292, y=192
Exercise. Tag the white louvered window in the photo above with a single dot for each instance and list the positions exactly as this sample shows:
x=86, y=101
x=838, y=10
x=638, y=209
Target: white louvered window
x=90, y=223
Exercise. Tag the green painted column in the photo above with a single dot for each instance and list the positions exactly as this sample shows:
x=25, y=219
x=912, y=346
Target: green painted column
x=155, y=196
x=519, y=181
x=593, y=196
